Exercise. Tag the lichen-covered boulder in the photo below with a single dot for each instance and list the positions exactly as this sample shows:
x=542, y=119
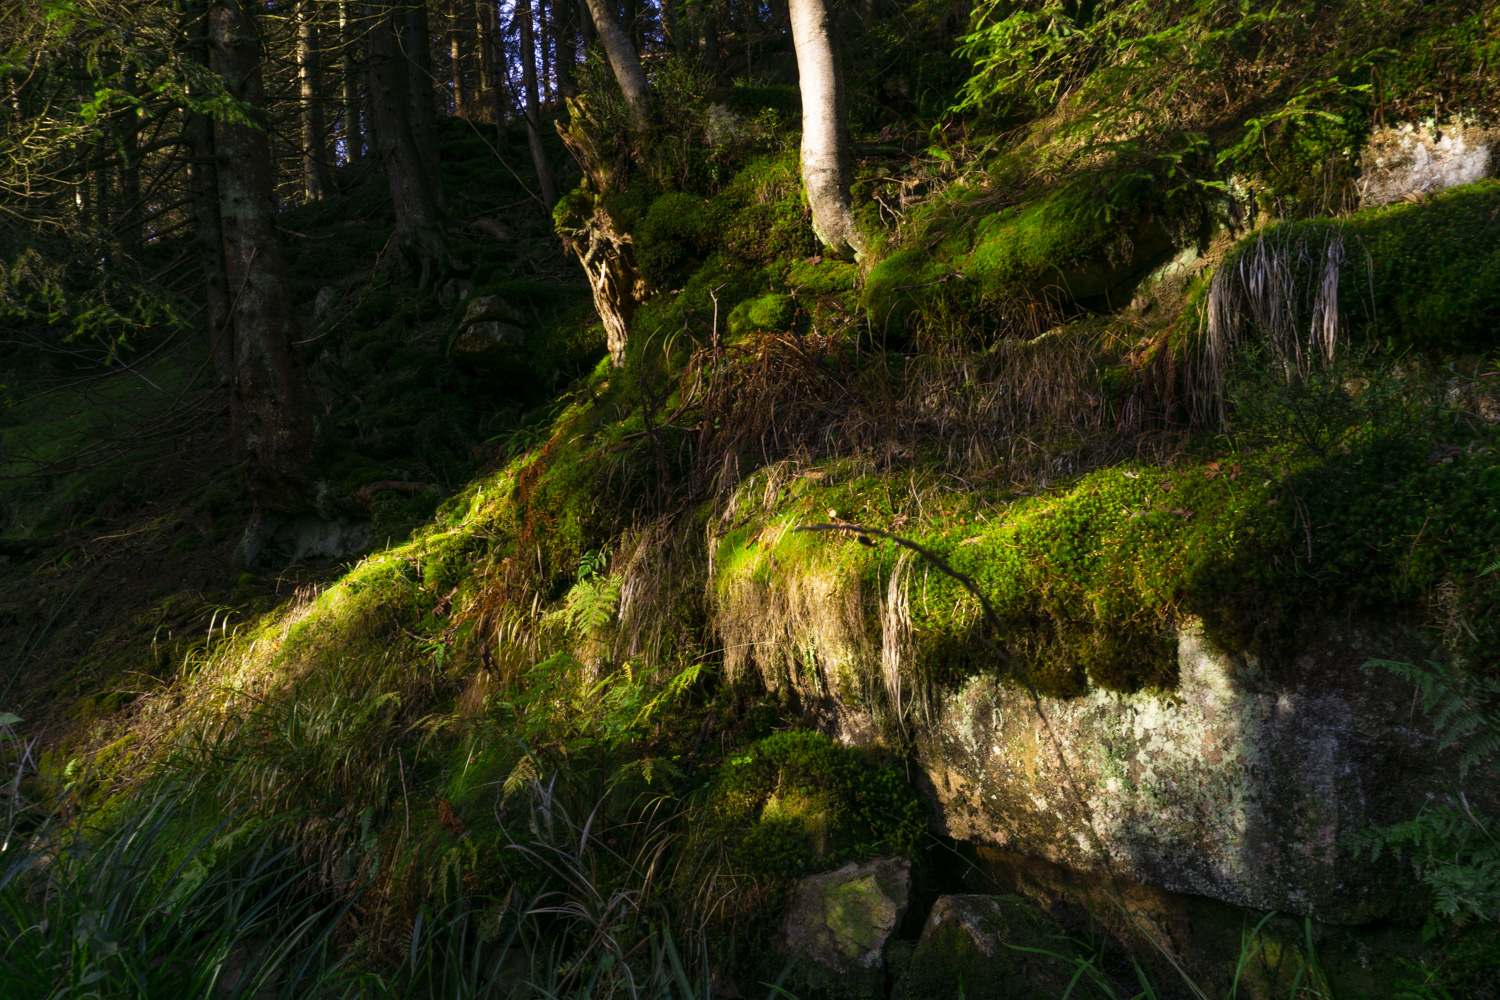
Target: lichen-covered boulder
x=1414, y=160
x=489, y=323
x=483, y=336
x=1242, y=785
x=989, y=948
x=840, y=921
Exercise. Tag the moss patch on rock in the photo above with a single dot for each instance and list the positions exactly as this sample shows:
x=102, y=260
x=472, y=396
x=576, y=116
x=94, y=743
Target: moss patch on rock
x=798, y=801
x=1423, y=275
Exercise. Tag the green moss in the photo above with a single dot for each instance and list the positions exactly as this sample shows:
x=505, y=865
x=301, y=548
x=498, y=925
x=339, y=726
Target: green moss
x=1093, y=581
x=1023, y=248
x=768, y=312
x=676, y=230
x=798, y=801
x=1051, y=249
x=816, y=276
x=1419, y=275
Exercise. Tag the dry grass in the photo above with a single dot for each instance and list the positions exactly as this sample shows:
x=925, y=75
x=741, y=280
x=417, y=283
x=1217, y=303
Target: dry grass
x=1283, y=294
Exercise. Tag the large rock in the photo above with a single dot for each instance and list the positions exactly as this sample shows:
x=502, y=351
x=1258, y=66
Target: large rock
x=274, y=541
x=492, y=307
x=991, y=948
x=1240, y=785
x=1411, y=161
x=490, y=322
x=489, y=334
x=840, y=920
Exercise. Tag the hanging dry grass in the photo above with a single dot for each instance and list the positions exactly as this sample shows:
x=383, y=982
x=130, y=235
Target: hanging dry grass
x=1280, y=293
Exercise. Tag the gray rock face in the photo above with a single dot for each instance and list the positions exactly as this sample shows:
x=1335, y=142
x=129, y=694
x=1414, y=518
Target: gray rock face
x=841, y=920
x=1233, y=787
x=273, y=541
x=488, y=323
x=1409, y=161
x=491, y=307
x=327, y=298
x=487, y=334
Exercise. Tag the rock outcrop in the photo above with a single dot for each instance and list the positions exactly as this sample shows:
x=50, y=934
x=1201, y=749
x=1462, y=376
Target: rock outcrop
x=1236, y=786
x=1411, y=161
x=489, y=322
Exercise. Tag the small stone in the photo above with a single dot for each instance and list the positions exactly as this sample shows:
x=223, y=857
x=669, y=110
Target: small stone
x=841, y=920
x=455, y=290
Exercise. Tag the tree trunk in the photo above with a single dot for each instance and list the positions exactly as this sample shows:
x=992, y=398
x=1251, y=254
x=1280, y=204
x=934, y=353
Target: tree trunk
x=565, y=51
x=315, y=180
x=544, y=53
x=625, y=63
x=826, y=167
x=270, y=400
x=608, y=261
x=348, y=30
x=208, y=229
x=586, y=31
x=708, y=35
x=669, y=25
x=630, y=20
x=130, y=175
x=529, y=95
x=461, y=96
x=418, y=240
x=423, y=92
x=484, y=17
x=500, y=69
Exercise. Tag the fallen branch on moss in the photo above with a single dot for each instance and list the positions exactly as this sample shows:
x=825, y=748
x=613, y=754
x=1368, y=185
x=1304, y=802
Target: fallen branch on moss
x=963, y=579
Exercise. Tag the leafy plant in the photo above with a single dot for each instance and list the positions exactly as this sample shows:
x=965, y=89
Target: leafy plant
x=1454, y=842
x=147, y=908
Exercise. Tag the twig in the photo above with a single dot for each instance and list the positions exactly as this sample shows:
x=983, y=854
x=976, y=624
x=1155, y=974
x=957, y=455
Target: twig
x=964, y=580
x=404, y=800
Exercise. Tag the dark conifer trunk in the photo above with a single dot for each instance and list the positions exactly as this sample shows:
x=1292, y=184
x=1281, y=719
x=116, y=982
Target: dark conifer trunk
x=270, y=398
x=208, y=230
x=669, y=29
x=587, y=33
x=316, y=182
x=418, y=242
x=499, y=68
x=563, y=45
x=462, y=98
x=529, y=95
x=708, y=35
x=349, y=29
x=484, y=27
x=544, y=52
x=423, y=92
x=130, y=176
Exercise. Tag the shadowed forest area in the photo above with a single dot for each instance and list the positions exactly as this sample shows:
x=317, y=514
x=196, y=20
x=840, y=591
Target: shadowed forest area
x=812, y=499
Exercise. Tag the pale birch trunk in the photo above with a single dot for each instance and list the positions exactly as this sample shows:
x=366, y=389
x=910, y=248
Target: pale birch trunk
x=625, y=63
x=826, y=167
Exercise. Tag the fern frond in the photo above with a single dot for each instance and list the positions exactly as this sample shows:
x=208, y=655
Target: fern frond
x=525, y=771
x=591, y=604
